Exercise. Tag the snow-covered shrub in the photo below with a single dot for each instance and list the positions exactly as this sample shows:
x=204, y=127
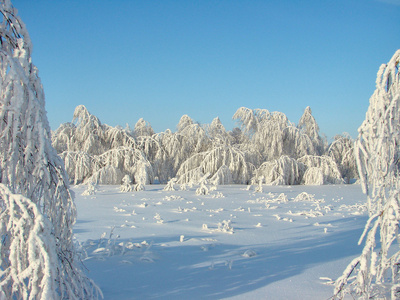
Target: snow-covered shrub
x=375, y=273
x=30, y=167
x=139, y=187
x=282, y=171
x=202, y=189
x=126, y=185
x=170, y=185
x=90, y=189
x=225, y=226
x=321, y=164
x=304, y=196
x=259, y=188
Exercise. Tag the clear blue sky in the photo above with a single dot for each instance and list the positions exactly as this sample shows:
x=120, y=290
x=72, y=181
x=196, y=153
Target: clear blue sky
x=158, y=60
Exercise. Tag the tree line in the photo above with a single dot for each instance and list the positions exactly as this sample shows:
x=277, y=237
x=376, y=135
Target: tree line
x=266, y=148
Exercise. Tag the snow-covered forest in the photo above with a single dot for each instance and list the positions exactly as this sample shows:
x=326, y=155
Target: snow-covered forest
x=197, y=212
x=266, y=148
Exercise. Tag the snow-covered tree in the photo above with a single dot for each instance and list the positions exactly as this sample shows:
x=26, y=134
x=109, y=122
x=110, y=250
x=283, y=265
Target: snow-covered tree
x=375, y=273
x=29, y=257
x=214, y=162
x=342, y=152
x=154, y=151
x=222, y=176
x=195, y=138
x=272, y=135
x=217, y=133
x=184, y=122
x=320, y=165
x=79, y=165
x=250, y=119
x=96, y=152
x=282, y=171
x=36, y=182
x=86, y=133
x=308, y=126
x=142, y=128
x=190, y=139
x=116, y=163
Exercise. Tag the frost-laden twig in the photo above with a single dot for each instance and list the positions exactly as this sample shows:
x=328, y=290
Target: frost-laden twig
x=376, y=271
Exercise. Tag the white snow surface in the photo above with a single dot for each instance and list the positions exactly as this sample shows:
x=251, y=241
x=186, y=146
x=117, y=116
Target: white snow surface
x=285, y=242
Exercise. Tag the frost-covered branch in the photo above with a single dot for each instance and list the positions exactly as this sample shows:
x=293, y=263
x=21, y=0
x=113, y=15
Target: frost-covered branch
x=377, y=272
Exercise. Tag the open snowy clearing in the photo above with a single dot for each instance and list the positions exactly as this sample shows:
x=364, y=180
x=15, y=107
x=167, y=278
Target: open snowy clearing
x=285, y=242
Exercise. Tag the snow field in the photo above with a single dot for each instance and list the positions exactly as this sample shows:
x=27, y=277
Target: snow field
x=286, y=242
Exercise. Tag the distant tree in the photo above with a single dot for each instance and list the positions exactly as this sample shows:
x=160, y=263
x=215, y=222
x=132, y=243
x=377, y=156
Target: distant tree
x=217, y=133
x=142, y=128
x=184, y=122
x=38, y=257
x=272, y=135
x=216, y=162
x=342, y=152
x=99, y=153
x=282, y=171
x=308, y=126
x=375, y=273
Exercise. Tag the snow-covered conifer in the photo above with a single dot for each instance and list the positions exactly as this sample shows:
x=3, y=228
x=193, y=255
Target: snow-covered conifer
x=375, y=272
x=30, y=167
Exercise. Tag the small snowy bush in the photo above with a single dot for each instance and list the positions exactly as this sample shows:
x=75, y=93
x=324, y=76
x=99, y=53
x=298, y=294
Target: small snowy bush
x=126, y=185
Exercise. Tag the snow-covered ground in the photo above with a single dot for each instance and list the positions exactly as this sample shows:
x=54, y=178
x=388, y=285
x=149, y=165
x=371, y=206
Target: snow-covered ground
x=282, y=243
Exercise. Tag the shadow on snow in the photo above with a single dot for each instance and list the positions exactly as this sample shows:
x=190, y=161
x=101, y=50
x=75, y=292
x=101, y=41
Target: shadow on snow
x=191, y=270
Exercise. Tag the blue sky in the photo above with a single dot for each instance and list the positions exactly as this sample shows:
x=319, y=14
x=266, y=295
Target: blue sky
x=159, y=60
